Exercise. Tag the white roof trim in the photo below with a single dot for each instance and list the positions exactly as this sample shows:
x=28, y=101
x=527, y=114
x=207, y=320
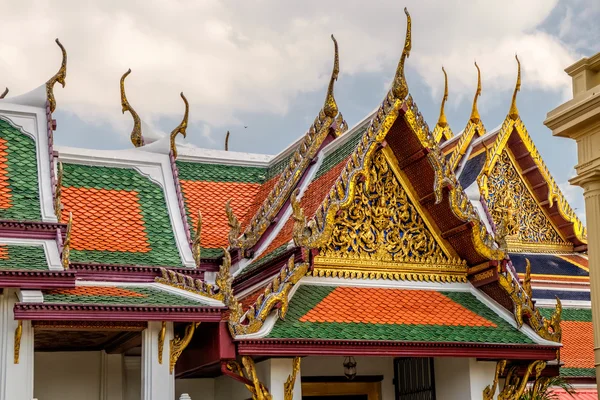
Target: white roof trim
x=32, y=121
x=49, y=246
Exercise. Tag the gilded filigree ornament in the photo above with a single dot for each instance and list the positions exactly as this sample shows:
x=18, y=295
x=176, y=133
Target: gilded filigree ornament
x=196, y=247
x=382, y=232
x=288, y=386
x=234, y=224
x=17, y=341
x=161, y=341
x=327, y=121
x=58, y=207
x=178, y=344
x=515, y=385
x=59, y=77
x=472, y=130
x=258, y=390
x=513, y=113
x=400, y=86
x=555, y=195
x=136, y=133
x=514, y=208
x=181, y=128
x=186, y=282
x=524, y=308
x=527, y=280
x=275, y=297
x=3, y=95
x=66, y=250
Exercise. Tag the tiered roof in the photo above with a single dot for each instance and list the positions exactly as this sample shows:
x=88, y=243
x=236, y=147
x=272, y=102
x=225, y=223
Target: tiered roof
x=374, y=236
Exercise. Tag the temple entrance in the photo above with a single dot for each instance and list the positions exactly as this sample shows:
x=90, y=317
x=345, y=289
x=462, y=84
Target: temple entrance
x=338, y=390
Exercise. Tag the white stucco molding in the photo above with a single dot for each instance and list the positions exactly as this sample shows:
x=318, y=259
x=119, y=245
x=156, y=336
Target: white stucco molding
x=156, y=167
x=32, y=122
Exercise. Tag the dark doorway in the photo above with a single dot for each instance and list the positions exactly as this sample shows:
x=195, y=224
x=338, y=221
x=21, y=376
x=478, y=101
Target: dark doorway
x=414, y=379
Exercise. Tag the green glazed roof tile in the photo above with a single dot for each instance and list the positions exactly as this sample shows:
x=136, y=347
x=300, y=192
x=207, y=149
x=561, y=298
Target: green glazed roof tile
x=190, y=171
x=22, y=257
x=570, y=314
x=20, y=161
x=103, y=295
x=153, y=209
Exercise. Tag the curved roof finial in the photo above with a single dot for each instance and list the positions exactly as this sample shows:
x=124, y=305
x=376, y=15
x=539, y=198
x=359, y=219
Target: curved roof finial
x=59, y=77
x=227, y=141
x=136, y=133
x=442, y=121
x=181, y=128
x=3, y=95
x=475, y=117
x=514, y=111
x=331, y=108
x=400, y=87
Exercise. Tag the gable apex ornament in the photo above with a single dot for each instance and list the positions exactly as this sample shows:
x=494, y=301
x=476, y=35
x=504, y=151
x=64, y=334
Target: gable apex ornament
x=475, y=117
x=59, y=77
x=331, y=108
x=136, y=133
x=514, y=111
x=400, y=86
x=442, y=120
x=181, y=128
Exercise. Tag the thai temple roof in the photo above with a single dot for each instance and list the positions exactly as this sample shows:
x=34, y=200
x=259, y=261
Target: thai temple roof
x=382, y=232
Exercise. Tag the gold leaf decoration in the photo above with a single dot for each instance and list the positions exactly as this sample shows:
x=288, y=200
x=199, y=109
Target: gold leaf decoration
x=59, y=77
x=136, y=133
x=181, y=128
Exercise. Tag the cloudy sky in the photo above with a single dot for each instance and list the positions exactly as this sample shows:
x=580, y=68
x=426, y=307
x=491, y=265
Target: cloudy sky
x=259, y=68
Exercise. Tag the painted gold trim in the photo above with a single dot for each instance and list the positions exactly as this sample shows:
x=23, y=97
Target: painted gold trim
x=17, y=343
x=288, y=386
x=178, y=344
x=181, y=128
x=575, y=263
x=161, y=341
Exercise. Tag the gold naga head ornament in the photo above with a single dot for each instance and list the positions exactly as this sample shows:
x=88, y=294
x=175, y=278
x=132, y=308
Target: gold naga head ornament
x=331, y=108
x=442, y=121
x=136, y=134
x=514, y=111
x=182, y=127
x=3, y=95
x=59, y=77
x=475, y=117
x=400, y=87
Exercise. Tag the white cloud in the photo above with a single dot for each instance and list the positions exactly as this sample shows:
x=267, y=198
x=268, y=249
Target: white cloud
x=255, y=56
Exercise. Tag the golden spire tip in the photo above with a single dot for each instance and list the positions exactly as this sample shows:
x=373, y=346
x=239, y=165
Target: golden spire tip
x=59, y=77
x=514, y=111
x=400, y=86
x=182, y=127
x=331, y=108
x=136, y=133
x=475, y=117
x=442, y=121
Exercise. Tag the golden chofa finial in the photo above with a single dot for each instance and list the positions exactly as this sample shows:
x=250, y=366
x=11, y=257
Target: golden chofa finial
x=59, y=77
x=475, y=117
x=196, y=247
x=136, y=134
x=442, y=121
x=227, y=141
x=514, y=111
x=331, y=108
x=182, y=127
x=400, y=87
x=3, y=95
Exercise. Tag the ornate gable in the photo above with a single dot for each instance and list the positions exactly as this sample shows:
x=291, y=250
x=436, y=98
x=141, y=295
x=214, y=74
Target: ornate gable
x=515, y=210
x=383, y=232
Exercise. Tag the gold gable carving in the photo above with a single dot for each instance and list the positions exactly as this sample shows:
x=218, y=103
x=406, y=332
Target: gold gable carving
x=381, y=233
x=516, y=211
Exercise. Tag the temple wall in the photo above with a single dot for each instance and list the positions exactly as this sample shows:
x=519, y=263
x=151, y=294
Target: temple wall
x=67, y=376
x=462, y=378
x=201, y=389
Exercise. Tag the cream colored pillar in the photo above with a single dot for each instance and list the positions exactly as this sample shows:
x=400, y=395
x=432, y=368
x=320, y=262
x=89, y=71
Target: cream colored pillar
x=579, y=119
x=158, y=383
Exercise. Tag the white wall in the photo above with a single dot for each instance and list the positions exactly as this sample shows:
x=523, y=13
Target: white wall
x=67, y=376
x=462, y=378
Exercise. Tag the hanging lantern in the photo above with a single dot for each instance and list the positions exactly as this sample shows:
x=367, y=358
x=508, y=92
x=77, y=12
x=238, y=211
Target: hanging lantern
x=350, y=367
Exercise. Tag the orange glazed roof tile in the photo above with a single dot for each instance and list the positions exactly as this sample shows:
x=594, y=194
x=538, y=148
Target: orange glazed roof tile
x=96, y=291
x=100, y=216
x=392, y=306
x=5, y=193
x=578, y=344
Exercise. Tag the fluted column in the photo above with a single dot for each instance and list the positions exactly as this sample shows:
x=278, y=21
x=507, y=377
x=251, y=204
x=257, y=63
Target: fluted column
x=579, y=119
x=158, y=383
